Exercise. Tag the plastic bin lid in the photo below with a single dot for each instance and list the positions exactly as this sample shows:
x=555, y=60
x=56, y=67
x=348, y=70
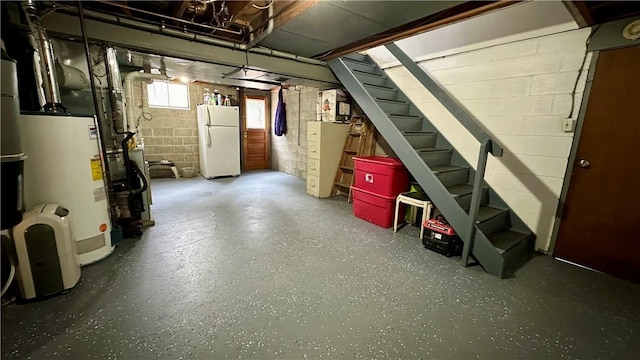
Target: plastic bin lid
x=381, y=160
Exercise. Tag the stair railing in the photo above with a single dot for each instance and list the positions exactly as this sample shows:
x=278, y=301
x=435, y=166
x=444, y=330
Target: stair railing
x=474, y=207
x=487, y=144
x=449, y=102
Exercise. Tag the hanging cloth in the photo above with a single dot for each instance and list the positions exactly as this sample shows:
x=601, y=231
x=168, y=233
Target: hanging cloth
x=280, y=127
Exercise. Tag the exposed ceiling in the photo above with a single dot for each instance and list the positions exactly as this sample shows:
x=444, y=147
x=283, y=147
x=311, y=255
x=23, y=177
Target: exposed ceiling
x=318, y=29
x=331, y=24
x=321, y=28
x=198, y=70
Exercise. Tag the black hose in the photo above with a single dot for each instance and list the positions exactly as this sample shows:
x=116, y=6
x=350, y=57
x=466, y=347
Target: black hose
x=145, y=185
x=125, y=155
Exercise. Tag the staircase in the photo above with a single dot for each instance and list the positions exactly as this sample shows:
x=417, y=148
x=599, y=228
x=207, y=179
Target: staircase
x=493, y=234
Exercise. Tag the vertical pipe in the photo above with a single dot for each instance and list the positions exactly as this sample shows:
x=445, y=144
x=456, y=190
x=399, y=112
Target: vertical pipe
x=103, y=153
x=52, y=92
x=299, y=116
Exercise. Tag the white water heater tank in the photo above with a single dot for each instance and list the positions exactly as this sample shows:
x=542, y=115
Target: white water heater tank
x=64, y=167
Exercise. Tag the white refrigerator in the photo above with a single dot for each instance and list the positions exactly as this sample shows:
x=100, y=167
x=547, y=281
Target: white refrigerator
x=219, y=140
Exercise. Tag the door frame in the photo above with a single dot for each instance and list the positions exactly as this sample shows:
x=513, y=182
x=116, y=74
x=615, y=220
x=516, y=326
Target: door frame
x=574, y=151
x=243, y=124
x=576, y=142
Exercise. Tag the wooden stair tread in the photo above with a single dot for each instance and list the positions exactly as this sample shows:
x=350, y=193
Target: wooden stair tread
x=505, y=239
x=358, y=61
x=379, y=86
x=367, y=73
x=447, y=168
x=460, y=190
x=432, y=149
x=404, y=116
x=378, y=99
x=355, y=134
x=346, y=168
x=488, y=212
x=417, y=133
x=344, y=185
x=351, y=151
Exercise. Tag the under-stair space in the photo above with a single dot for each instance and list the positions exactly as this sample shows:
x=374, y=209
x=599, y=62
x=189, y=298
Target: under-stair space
x=498, y=240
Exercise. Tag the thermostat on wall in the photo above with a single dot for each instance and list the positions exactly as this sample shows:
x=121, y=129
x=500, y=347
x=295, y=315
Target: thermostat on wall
x=632, y=30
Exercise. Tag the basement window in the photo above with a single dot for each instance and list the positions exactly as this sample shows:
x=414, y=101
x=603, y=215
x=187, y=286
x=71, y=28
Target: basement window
x=163, y=94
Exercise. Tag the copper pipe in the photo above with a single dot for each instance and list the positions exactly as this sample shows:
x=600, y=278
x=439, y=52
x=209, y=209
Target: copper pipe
x=215, y=28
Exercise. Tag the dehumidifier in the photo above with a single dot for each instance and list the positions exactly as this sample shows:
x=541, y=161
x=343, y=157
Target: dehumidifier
x=46, y=256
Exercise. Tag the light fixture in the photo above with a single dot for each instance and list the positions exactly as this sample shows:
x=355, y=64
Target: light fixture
x=185, y=79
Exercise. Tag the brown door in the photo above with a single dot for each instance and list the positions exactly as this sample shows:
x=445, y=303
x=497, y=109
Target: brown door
x=600, y=226
x=255, y=140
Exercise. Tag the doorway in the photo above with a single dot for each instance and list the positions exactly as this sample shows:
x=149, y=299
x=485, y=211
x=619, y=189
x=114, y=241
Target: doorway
x=255, y=136
x=600, y=223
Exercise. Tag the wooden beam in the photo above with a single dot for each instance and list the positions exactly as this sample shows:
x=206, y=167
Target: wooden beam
x=180, y=9
x=464, y=11
x=290, y=12
x=283, y=13
x=238, y=9
x=580, y=12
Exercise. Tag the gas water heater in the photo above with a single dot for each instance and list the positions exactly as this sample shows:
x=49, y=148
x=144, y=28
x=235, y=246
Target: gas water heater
x=65, y=167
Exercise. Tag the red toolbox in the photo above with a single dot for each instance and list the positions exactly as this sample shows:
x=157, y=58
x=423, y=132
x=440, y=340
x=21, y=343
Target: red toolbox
x=381, y=175
x=374, y=208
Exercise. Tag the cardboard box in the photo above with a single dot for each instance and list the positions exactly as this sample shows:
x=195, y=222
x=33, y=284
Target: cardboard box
x=335, y=106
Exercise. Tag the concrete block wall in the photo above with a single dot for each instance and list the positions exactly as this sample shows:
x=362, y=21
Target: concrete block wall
x=521, y=92
x=172, y=134
x=289, y=152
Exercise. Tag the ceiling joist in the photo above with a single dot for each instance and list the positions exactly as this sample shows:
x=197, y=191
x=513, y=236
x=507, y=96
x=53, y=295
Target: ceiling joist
x=580, y=12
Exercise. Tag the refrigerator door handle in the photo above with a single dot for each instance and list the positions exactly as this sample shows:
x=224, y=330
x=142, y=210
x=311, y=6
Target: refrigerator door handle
x=209, y=137
x=208, y=116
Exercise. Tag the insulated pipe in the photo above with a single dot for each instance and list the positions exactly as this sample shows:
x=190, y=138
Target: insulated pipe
x=128, y=124
x=44, y=61
x=52, y=92
x=203, y=39
x=266, y=32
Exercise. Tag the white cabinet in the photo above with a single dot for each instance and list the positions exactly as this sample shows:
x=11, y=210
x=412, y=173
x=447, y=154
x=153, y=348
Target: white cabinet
x=325, y=142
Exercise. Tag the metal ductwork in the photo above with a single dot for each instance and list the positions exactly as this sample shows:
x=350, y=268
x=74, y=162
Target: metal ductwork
x=44, y=62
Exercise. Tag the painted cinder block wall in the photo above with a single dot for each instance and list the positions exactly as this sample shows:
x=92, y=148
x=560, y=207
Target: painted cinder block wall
x=172, y=134
x=289, y=152
x=521, y=92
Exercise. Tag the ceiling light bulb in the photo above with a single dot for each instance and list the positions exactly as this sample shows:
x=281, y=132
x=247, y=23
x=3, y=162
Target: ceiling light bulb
x=185, y=79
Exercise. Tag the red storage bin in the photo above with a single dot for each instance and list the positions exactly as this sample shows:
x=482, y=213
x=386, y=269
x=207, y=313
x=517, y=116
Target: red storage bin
x=374, y=208
x=381, y=175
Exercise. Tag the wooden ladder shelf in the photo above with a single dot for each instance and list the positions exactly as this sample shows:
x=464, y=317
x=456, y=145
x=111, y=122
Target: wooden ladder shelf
x=360, y=141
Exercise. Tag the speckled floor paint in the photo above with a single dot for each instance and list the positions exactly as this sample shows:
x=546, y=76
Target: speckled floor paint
x=252, y=267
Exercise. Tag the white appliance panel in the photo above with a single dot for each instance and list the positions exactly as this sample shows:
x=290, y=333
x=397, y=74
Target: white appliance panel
x=223, y=155
x=219, y=140
x=63, y=166
x=222, y=115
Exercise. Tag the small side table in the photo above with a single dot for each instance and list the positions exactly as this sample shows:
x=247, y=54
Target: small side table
x=413, y=199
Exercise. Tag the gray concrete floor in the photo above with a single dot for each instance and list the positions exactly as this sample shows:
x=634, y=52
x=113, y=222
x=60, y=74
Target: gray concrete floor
x=252, y=267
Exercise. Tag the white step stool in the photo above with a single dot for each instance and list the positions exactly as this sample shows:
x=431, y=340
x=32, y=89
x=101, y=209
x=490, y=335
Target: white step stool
x=413, y=199
x=166, y=163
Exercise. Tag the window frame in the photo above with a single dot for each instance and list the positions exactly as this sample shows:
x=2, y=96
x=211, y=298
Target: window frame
x=168, y=106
